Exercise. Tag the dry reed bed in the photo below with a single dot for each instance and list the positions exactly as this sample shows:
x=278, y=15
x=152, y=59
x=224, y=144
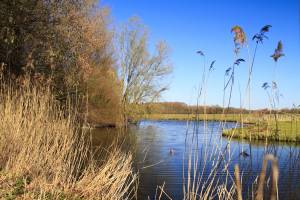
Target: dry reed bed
x=44, y=154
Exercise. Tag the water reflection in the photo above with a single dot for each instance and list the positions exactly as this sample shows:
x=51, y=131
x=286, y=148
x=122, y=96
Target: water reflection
x=159, y=148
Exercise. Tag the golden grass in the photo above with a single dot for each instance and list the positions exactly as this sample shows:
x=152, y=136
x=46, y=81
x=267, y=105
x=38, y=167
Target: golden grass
x=44, y=154
x=259, y=195
x=197, y=183
x=210, y=187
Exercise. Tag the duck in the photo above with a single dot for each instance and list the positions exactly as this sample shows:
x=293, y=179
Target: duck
x=244, y=154
x=172, y=151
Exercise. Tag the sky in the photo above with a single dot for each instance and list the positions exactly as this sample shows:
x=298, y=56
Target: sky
x=189, y=26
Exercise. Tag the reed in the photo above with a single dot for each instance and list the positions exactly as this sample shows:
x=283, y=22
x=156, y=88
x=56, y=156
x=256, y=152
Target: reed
x=44, y=153
x=197, y=185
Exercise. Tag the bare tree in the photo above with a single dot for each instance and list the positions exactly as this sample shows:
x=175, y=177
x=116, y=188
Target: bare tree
x=142, y=73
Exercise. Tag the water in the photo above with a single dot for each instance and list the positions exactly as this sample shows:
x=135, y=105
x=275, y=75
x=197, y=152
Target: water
x=161, y=150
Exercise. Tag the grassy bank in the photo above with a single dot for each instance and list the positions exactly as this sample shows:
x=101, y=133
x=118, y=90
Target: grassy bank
x=259, y=127
x=287, y=131
x=44, y=154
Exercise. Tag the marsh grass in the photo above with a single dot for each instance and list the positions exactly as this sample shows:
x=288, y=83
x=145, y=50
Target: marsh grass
x=220, y=182
x=44, y=153
x=284, y=128
x=197, y=184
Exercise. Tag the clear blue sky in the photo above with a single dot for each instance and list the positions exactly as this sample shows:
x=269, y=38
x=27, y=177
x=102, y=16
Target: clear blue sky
x=188, y=26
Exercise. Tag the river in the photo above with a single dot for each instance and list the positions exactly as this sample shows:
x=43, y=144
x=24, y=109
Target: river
x=161, y=151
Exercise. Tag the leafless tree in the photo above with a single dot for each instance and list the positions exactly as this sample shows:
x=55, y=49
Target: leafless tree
x=142, y=73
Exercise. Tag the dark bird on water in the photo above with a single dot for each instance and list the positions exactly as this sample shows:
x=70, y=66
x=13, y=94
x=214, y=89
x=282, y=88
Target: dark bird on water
x=244, y=154
x=172, y=151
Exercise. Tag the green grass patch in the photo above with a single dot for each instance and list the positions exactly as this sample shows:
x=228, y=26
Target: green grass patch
x=288, y=131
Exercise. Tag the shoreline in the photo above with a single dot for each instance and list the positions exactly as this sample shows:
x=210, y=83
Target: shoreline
x=257, y=128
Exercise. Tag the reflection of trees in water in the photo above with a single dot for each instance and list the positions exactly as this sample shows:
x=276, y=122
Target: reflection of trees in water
x=103, y=139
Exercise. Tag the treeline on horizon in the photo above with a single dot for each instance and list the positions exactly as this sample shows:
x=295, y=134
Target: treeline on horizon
x=183, y=108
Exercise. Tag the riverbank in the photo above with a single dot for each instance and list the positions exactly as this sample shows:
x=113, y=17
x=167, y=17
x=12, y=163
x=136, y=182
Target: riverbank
x=259, y=127
x=286, y=131
x=201, y=117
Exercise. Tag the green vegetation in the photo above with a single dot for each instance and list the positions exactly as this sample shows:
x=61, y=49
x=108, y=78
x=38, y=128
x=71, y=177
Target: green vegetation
x=287, y=130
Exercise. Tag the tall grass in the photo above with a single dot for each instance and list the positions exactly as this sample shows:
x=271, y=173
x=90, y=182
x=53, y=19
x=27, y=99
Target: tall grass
x=44, y=153
x=206, y=173
x=197, y=185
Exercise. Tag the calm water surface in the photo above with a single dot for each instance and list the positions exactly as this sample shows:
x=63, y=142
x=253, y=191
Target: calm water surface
x=161, y=150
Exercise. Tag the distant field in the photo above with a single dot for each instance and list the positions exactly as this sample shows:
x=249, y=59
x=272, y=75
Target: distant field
x=246, y=118
x=209, y=117
x=261, y=127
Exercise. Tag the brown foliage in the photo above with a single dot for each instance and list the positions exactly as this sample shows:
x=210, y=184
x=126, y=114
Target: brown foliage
x=104, y=96
x=67, y=43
